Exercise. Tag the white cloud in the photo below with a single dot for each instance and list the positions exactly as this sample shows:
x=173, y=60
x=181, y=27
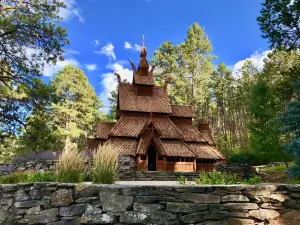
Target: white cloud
x=96, y=42
x=50, y=69
x=72, y=10
x=134, y=47
x=107, y=50
x=257, y=59
x=109, y=82
x=127, y=45
x=91, y=67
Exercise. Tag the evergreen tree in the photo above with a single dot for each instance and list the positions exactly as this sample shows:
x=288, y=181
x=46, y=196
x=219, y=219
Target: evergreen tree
x=78, y=108
x=290, y=118
x=279, y=22
x=30, y=35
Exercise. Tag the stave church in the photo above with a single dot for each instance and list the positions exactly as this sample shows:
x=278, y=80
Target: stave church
x=160, y=136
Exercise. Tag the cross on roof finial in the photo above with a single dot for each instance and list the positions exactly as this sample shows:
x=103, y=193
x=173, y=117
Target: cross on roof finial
x=143, y=40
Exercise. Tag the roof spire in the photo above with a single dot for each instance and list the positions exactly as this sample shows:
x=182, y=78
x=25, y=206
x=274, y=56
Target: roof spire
x=143, y=49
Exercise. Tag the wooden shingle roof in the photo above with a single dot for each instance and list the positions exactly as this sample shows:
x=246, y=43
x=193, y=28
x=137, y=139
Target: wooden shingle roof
x=128, y=126
x=167, y=128
x=144, y=80
x=204, y=151
x=190, y=133
x=129, y=101
x=176, y=148
x=124, y=146
x=182, y=111
x=103, y=130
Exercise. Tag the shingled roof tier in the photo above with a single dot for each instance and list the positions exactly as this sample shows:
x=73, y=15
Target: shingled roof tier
x=204, y=151
x=124, y=146
x=130, y=101
x=208, y=136
x=190, y=133
x=167, y=128
x=176, y=148
x=144, y=80
x=129, y=126
x=182, y=111
x=103, y=130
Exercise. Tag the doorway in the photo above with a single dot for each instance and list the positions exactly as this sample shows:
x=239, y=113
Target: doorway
x=151, y=158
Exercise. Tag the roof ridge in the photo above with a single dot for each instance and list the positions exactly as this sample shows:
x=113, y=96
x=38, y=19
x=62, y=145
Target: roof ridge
x=214, y=151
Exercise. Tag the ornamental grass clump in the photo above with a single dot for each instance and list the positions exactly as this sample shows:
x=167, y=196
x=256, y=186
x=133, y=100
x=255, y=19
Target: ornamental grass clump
x=70, y=166
x=105, y=165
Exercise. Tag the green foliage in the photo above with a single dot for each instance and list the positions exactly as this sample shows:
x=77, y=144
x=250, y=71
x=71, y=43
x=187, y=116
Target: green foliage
x=279, y=22
x=33, y=176
x=291, y=125
x=241, y=157
x=70, y=165
x=105, y=165
x=7, y=149
x=217, y=178
x=280, y=168
x=14, y=178
x=254, y=180
x=183, y=64
x=77, y=109
x=30, y=37
x=182, y=180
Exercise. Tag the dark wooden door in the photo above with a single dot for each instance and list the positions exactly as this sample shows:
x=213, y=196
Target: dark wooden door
x=151, y=158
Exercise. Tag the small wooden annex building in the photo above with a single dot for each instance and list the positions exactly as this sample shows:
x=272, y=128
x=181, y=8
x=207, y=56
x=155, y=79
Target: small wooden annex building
x=160, y=136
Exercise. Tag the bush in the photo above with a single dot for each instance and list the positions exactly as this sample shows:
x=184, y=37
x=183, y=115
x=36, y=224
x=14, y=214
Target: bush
x=33, y=176
x=105, y=165
x=217, y=178
x=253, y=180
x=248, y=158
x=14, y=178
x=70, y=166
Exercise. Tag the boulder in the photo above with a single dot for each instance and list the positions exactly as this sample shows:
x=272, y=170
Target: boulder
x=142, y=207
x=264, y=214
x=115, y=203
x=180, y=207
x=98, y=219
x=62, y=197
x=73, y=210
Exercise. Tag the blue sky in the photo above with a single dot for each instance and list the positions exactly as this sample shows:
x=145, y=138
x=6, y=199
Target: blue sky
x=104, y=34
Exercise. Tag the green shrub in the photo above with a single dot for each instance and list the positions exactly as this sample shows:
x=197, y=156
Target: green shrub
x=280, y=168
x=33, y=177
x=70, y=166
x=105, y=165
x=14, y=178
x=254, y=180
x=217, y=178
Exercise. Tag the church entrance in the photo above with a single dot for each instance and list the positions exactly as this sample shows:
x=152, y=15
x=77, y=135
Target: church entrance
x=151, y=158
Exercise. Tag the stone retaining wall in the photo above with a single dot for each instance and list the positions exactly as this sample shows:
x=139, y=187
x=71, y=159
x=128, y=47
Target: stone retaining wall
x=73, y=204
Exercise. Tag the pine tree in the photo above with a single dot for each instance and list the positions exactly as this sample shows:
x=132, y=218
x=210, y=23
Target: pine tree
x=290, y=118
x=78, y=108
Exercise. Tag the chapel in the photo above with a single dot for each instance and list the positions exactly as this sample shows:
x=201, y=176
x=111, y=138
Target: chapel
x=160, y=136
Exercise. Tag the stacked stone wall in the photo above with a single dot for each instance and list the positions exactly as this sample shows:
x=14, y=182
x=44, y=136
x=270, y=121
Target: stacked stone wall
x=74, y=204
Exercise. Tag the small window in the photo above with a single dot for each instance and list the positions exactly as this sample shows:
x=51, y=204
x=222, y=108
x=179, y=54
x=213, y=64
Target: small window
x=160, y=158
x=143, y=157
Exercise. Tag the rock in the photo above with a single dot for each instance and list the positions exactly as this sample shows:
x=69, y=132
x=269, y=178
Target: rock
x=9, y=188
x=203, y=216
x=271, y=206
x=142, y=207
x=185, y=207
x=86, y=199
x=147, y=199
x=66, y=222
x=83, y=190
x=27, y=204
x=234, y=198
x=33, y=210
x=73, y=210
x=62, y=197
x=295, y=195
x=6, y=201
x=43, y=217
x=292, y=217
x=157, y=218
x=264, y=214
x=35, y=194
x=21, y=195
x=293, y=188
x=115, y=203
x=240, y=206
x=200, y=198
x=98, y=219
x=215, y=207
x=239, y=214
x=90, y=209
x=3, y=215
x=238, y=221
